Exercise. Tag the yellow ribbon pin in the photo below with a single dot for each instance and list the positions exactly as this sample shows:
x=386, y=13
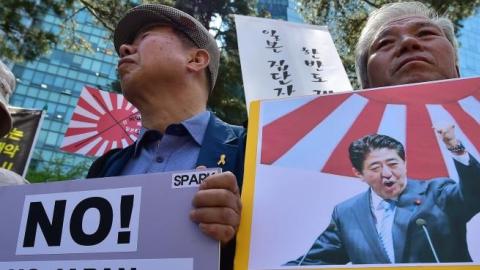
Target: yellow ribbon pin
x=222, y=160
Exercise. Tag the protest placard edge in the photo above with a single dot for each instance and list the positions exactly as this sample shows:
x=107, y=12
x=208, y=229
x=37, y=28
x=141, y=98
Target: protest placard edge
x=244, y=232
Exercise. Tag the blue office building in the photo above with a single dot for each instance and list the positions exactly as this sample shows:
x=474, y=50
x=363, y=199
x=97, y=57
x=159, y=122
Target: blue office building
x=469, y=51
x=54, y=82
x=281, y=9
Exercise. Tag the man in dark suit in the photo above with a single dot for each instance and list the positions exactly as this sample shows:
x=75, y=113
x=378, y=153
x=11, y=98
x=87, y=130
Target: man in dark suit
x=168, y=66
x=393, y=220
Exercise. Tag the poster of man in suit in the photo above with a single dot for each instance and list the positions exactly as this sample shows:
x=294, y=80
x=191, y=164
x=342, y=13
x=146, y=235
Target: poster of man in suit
x=384, y=176
x=378, y=225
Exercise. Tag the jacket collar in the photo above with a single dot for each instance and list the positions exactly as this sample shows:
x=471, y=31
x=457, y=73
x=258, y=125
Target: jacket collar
x=219, y=149
x=365, y=221
x=406, y=207
x=219, y=146
x=195, y=126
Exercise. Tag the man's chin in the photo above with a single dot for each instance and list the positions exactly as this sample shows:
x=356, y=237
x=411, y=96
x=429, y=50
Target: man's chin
x=129, y=83
x=418, y=77
x=390, y=192
x=128, y=90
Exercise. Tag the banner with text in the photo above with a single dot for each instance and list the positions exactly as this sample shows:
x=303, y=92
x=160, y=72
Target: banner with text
x=281, y=59
x=16, y=147
x=140, y=222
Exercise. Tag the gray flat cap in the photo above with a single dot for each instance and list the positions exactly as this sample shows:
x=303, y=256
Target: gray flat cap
x=147, y=14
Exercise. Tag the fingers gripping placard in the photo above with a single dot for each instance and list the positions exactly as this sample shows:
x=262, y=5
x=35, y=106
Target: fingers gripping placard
x=80, y=222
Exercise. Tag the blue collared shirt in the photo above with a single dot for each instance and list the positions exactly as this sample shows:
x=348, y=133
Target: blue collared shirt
x=177, y=149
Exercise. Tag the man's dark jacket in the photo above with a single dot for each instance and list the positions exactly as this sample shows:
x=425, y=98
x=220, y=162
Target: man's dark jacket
x=443, y=205
x=220, y=139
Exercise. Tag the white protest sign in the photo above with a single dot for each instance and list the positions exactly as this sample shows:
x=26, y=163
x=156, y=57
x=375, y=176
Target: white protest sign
x=145, y=264
x=137, y=222
x=281, y=59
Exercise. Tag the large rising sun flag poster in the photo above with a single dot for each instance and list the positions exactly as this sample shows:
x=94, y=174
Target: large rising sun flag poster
x=298, y=171
x=100, y=122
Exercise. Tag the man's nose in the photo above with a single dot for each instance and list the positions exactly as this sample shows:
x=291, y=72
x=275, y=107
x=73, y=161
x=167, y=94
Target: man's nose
x=409, y=43
x=126, y=49
x=386, y=172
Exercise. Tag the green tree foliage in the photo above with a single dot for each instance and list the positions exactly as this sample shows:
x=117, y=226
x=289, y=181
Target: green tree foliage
x=24, y=39
x=57, y=171
x=346, y=18
x=20, y=33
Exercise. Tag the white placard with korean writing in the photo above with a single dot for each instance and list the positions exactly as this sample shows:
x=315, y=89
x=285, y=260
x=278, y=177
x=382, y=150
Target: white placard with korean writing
x=281, y=59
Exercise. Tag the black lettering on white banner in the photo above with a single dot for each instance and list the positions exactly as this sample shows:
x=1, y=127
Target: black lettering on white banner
x=106, y=218
x=37, y=217
x=83, y=221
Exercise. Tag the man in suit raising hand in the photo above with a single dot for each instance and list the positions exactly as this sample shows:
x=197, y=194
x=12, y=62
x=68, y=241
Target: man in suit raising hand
x=400, y=220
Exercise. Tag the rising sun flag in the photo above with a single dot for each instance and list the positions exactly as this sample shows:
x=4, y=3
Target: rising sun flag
x=323, y=128
x=101, y=121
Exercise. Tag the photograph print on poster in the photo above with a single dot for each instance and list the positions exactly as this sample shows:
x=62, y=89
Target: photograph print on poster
x=397, y=195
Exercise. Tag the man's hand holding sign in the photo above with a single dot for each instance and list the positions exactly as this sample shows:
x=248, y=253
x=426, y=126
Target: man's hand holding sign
x=217, y=207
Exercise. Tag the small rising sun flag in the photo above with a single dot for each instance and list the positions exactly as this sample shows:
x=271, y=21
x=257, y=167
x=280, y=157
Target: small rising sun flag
x=101, y=121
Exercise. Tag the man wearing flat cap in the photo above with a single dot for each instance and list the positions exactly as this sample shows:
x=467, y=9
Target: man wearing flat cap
x=7, y=85
x=168, y=66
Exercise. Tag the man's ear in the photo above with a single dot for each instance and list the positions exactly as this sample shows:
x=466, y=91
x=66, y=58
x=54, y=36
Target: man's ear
x=198, y=60
x=357, y=173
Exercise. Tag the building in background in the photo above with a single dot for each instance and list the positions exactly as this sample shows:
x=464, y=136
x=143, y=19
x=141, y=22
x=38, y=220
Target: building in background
x=54, y=82
x=469, y=51
x=281, y=9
